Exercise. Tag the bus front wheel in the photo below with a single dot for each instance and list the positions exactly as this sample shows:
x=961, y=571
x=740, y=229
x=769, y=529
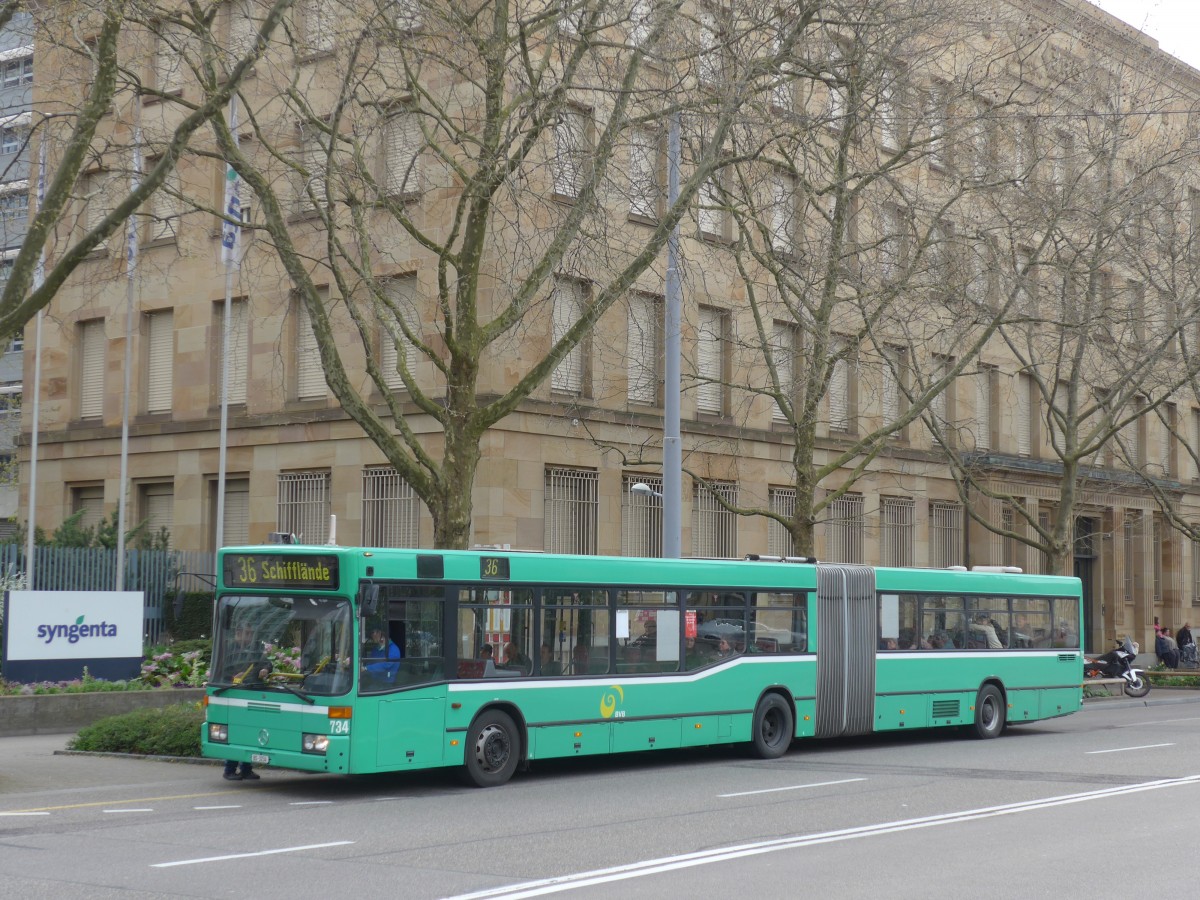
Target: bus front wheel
x=989, y=712
x=493, y=749
x=773, y=727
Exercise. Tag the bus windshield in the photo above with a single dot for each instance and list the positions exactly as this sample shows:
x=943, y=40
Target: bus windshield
x=300, y=644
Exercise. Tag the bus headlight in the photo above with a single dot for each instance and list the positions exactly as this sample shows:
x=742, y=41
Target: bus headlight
x=315, y=743
x=218, y=734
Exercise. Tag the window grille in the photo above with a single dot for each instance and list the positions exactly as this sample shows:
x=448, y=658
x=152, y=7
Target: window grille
x=1014, y=548
x=714, y=528
x=1043, y=558
x=571, y=508
x=896, y=544
x=945, y=535
x=160, y=361
x=779, y=539
x=1024, y=415
x=1158, y=549
x=1129, y=536
x=641, y=516
x=390, y=509
x=844, y=529
x=304, y=505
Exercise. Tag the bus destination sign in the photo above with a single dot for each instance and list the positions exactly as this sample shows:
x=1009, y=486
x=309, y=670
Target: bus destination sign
x=493, y=568
x=317, y=571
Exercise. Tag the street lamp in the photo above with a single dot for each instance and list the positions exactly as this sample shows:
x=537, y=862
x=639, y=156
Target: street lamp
x=645, y=490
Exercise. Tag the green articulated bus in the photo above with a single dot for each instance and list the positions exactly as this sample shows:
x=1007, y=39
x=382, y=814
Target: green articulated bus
x=354, y=660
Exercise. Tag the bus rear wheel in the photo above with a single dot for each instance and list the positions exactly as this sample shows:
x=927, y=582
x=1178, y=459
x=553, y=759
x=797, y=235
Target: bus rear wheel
x=989, y=712
x=773, y=727
x=493, y=749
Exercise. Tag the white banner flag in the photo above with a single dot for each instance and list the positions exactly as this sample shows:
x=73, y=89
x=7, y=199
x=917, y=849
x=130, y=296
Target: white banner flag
x=135, y=181
x=231, y=232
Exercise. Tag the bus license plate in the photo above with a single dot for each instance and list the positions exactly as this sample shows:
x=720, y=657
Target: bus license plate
x=261, y=759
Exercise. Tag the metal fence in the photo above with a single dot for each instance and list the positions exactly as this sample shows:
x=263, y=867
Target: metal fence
x=95, y=569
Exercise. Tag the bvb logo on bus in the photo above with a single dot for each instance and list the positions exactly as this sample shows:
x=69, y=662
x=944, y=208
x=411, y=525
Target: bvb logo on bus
x=609, y=701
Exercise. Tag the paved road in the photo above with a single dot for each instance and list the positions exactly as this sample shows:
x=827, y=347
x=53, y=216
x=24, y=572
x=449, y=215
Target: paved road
x=905, y=815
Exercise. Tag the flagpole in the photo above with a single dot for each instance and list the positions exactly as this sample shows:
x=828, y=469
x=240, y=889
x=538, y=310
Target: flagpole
x=39, y=278
x=131, y=271
x=230, y=239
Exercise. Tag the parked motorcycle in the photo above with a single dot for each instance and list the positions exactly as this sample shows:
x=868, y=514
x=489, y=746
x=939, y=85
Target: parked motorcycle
x=1118, y=663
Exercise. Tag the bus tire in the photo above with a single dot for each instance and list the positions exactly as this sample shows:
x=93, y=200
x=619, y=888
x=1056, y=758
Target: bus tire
x=989, y=712
x=774, y=727
x=493, y=749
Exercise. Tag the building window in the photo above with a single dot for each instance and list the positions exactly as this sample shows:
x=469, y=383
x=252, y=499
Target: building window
x=169, y=56
x=711, y=214
x=1024, y=414
x=641, y=516
x=157, y=502
x=391, y=510
x=160, y=361
x=891, y=242
x=896, y=531
x=1014, y=526
x=842, y=388
x=709, y=62
x=571, y=510
x=402, y=156
x=783, y=220
x=88, y=500
x=239, y=339
x=1159, y=549
x=12, y=139
x=782, y=502
x=1195, y=567
x=18, y=72
x=317, y=21
x=845, y=526
x=96, y=202
x=1129, y=536
x=640, y=22
x=243, y=29
x=165, y=208
x=570, y=152
x=644, y=349
x=236, y=527
x=312, y=193
x=714, y=528
x=399, y=295
x=568, y=299
x=14, y=200
x=645, y=174
x=941, y=406
x=310, y=376
x=408, y=15
x=985, y=403
x=785, y=339
x=945, y=534
x=92, y=348
x=895, y=385
x=304, y=506
x=710, y=361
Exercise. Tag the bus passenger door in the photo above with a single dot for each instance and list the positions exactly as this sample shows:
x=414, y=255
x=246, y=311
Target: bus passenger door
x=846, y=641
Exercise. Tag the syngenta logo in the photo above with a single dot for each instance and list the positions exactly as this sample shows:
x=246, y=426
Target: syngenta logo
x=73, y=633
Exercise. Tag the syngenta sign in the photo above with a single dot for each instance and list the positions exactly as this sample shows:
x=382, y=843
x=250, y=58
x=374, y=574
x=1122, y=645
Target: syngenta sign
x=77, y=625
x=76, y=631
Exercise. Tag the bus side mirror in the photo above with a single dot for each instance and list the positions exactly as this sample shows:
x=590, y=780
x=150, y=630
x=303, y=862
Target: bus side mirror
x=368, y=598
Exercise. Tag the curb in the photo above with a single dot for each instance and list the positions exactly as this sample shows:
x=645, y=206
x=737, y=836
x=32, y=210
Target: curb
x=1154, y=698
x=189, y=760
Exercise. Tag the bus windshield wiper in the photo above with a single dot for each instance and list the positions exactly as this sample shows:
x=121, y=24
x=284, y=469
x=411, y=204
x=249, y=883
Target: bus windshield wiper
x=299, y=693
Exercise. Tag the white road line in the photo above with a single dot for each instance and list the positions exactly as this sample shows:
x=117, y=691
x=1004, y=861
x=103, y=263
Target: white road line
x=192, y=862
x=233, y=806
x=794, y=787
x=1123, y=749
x=24, y=813
x=1156, y=722
x=127, y=810
x=704, y=857
x=311, y=803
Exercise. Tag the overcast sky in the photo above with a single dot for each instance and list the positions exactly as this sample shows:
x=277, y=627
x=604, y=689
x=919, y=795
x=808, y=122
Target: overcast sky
x=1175, y=24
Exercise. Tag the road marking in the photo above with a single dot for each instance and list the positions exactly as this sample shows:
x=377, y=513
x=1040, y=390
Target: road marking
x=132, y=800
x=127, y=810
x=32, y=813
x=1123, y=749
x=688, y=860
x=311, y=803
x=230, y=806
x=1156, y=722
x=192, y=862
x=794, y=787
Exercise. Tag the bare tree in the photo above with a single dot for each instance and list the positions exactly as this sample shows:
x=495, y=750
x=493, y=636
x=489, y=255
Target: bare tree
x=105, y=61
x=452, y=210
